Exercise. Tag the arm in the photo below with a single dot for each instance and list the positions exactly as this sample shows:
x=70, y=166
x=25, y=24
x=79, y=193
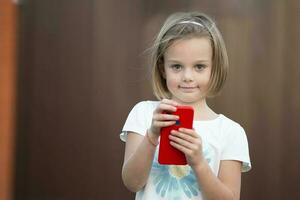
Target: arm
x=139, y=153
x=226, y=186
x=139, y=150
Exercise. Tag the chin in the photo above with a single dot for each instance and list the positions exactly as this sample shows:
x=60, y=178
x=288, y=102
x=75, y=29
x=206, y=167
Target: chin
x=188, y=100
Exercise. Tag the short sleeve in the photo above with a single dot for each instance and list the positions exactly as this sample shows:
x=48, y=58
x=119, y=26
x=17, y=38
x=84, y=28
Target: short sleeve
x=236, y=147
x=137, y=120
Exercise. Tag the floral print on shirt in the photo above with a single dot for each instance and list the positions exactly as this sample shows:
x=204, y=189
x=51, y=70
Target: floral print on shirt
x=175, y=181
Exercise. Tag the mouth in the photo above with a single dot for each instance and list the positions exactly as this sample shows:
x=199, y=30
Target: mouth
x=188, y=87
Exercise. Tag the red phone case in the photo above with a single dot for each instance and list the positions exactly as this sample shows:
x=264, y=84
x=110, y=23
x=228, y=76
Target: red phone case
x=168, y=155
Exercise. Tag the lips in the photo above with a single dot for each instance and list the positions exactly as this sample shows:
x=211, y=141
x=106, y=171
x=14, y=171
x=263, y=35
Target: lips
x=188, y=87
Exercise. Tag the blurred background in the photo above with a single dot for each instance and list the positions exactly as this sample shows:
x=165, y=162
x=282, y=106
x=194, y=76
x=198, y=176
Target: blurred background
x=71, y=70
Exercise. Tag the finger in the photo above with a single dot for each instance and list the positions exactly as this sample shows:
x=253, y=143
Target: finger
x=183, y=136
x=170, y=102
x=165, y=117
x=168, y=105
x=185, y=143
x=163, y=123
x=184, y=146
x=181, y=148
x=190, y=132
x=165, y=107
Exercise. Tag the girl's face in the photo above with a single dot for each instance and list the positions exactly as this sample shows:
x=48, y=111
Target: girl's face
x=187, y=69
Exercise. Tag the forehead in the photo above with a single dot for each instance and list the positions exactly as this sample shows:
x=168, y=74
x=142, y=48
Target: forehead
x=197, y=48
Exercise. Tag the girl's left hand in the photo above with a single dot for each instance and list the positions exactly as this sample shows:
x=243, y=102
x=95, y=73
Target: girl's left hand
x=190, y=143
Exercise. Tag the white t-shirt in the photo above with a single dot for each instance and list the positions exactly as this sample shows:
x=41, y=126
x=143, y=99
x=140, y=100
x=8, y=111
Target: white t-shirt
x=222, y=139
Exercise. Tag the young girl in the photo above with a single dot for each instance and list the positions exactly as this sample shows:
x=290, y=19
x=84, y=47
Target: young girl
x=189, y=64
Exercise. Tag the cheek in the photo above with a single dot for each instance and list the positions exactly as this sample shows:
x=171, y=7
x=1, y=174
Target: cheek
x=172, y=81
x=206, y=79
x=203, y=80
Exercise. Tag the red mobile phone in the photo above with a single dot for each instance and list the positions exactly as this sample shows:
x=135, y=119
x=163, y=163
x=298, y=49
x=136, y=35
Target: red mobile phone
x=168, y=155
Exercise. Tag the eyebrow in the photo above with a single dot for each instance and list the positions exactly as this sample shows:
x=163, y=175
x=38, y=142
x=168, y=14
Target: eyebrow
x=196, y=61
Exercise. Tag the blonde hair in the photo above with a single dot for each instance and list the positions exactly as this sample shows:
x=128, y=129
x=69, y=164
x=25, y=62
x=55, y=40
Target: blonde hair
x=184, y=26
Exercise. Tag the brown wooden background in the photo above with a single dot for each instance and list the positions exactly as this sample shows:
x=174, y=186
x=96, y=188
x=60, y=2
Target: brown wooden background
x=81, y=68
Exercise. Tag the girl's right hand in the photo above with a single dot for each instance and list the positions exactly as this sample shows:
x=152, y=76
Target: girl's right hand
x=161, y=118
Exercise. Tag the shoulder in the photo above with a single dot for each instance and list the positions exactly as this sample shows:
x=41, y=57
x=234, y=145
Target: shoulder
x=145, y=106
x=230, y=129
x=229, y=124
x=143, y=109
x=233, y=133
x=235, y=143
x=139, y=118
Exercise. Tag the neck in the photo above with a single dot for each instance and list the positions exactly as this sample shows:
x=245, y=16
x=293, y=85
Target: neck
x=202, y=111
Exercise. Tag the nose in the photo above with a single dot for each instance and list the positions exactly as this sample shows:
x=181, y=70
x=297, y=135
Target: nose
x=187, y=75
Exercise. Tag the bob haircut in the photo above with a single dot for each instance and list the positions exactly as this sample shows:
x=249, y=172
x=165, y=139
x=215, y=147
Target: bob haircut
x=185, y=26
